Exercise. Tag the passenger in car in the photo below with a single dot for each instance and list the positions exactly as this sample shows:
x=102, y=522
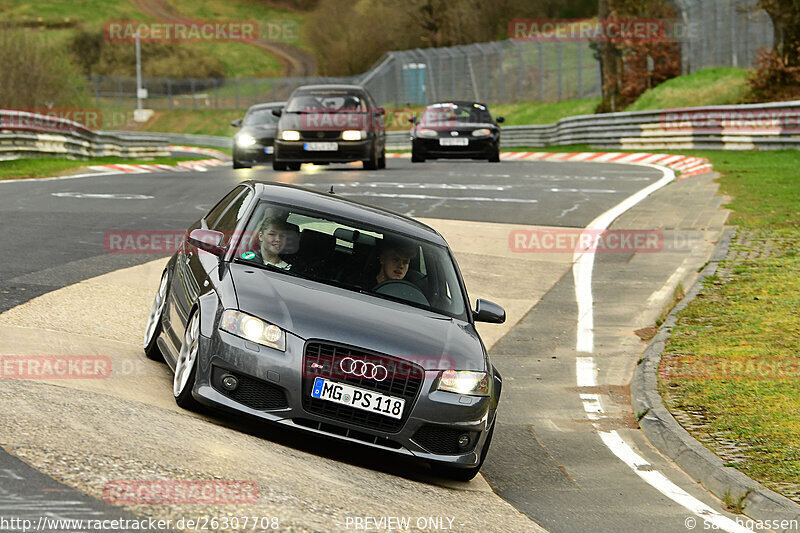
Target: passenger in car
x=272, y=236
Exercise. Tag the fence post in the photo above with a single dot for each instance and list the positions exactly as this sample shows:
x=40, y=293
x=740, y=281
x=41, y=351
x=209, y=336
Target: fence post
x=580, y=69
x=194, y=95
x=520, y=70
x=499, y=49
x=560, y=50
x=169, y=94
x=541, y=73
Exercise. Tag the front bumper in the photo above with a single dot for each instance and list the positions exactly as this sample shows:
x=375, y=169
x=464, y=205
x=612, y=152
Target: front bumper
x=347, y=151
x=481, y=147
x=275, y=392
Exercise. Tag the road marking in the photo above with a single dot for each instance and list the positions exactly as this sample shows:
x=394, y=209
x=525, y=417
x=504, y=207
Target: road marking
x=591, y=191
x=586, y=374
x=407, y=185
x=448, y=198
x=102, y=196
x=583, y=262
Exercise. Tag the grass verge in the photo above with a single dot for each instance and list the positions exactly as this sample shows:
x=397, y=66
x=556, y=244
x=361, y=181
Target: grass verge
x=715, y=86
x=46, y=167
x=732, y=363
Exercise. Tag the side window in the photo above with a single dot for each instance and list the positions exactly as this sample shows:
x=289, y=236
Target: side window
x=213, y=216
x=228, y=222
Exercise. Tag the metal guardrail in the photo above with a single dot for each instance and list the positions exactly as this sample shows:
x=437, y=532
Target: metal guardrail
x=732, y=127
x=24, y=134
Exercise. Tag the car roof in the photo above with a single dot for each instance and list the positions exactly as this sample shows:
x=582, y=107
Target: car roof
x=340, y=206
x=460, y=103
x=267, y=105
x=339, y=87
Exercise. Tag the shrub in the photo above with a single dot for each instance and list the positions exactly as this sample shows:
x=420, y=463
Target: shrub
x=36, y=73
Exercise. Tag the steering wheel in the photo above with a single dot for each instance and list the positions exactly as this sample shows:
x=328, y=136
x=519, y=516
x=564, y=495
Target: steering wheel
x=400, y=288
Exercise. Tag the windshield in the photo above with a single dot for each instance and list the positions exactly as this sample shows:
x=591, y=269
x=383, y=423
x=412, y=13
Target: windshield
x=327, y=101
x=349, y=255
x=444, y=113
x=260, y=117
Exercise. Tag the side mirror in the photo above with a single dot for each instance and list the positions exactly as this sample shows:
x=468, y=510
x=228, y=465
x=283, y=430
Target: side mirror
x=277, y=112
x=486, y=311
x=208, y=240
x=412, y=120
x=237, y=123
x=500, y=120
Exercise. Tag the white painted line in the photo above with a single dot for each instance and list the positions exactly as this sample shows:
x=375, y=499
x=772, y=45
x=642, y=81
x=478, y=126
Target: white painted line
x=70, y=177
x=590, y=191
x=404, y=185
x=585, y=370
x=658, y=481
x=583, y=262
x=448, y=198
x=661, y=295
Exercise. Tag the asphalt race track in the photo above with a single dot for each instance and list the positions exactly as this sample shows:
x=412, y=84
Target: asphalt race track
x=549, y=460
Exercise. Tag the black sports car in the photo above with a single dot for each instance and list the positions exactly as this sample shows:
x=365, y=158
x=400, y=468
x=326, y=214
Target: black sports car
x=462, y=130
x=252, y=144
x=333, y=317
x=330, y=124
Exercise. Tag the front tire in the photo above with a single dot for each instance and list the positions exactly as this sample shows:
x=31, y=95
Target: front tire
x=293, y=166
x=495, y=158
x=278, y=166
x=415, y=158
x=372, y=163
x=154, y=322
x=237, y=164
x=382, y=159
x=186, y=366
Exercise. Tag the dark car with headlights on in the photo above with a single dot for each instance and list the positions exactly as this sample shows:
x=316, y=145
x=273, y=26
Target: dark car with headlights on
x=330, y=124
x=461, y=130
x=280, y=305
x=252, y=144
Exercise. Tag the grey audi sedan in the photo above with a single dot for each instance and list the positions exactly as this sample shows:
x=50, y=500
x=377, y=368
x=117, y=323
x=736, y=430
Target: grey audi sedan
x=309, y=310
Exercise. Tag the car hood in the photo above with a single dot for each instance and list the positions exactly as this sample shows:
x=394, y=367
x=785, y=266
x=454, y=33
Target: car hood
x=312, y=310
x=328, y=121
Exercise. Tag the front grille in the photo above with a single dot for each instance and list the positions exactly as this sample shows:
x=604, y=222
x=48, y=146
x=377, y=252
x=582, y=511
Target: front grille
x=444, y=440
x=252, y=392
x=404, y=380
x=320, y=135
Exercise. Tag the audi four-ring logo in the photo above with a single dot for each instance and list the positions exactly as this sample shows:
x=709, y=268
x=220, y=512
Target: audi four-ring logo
x=363, y=369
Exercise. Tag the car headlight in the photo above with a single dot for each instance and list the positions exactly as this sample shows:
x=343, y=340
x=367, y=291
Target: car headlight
x=425, y=132
x=483, y=132
x=253, y=329
x=290, y=135
x=352, y=135
x=245, y=141
x=465, y=382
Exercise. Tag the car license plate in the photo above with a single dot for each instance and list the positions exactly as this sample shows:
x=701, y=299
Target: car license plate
x=320, y=147
x=454, y=141
x=268, y=149
x=359, y=398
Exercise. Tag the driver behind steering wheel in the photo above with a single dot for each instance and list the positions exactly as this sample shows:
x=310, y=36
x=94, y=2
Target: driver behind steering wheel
x=394, y=259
